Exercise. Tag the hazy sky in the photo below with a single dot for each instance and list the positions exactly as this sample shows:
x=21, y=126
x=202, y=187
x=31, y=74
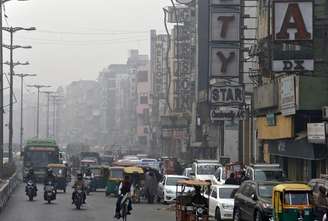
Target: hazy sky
x=78, y=38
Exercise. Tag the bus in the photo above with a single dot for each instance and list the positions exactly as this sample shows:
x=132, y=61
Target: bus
x=38, y=153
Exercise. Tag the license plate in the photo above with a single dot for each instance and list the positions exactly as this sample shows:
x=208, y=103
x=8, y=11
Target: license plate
x=49, y=194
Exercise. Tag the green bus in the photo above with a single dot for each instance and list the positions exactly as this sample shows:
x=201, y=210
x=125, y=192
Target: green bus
x=38, y=153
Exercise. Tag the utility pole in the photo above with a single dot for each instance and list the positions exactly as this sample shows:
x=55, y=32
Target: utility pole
x=48, y=93
x=38, y=87
x=55, y=99
x=22, y=76
x=2, y=2
x=11, y=48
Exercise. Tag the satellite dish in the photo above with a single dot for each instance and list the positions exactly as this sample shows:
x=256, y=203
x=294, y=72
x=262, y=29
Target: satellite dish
x=184, y=1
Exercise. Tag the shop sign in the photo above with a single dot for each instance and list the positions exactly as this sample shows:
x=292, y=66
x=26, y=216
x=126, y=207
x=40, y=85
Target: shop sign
x=287, y=96
x=224, y=62
x=316, y=133
x=293, y=20
x=227, y=95
x=293, y=56
x=227, y=114
x=225, y=26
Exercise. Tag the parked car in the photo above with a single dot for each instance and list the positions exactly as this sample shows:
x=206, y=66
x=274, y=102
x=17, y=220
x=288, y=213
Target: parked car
x=265, y=172
x=221, y=201
x=253, y=201
x=167, y=188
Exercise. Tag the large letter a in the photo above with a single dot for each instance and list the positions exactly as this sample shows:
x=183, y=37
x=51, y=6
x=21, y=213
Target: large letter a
x=293, y=11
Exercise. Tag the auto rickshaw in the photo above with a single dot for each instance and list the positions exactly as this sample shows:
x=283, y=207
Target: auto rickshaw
x=99, y=177
x=136, y=175
x=60, y=172
x=186, y=210
x=292, y=202
x=116, y=176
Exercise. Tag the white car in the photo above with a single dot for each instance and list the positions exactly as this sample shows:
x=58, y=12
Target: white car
x=221, y=201
x=167, y=188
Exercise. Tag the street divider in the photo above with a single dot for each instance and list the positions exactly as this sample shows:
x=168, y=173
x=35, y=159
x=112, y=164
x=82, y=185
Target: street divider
x=7, y=189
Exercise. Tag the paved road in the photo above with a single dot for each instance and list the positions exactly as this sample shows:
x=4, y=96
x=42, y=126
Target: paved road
x=98, y=208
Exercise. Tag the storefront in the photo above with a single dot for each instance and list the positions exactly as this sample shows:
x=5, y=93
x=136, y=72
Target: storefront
x=299, y=159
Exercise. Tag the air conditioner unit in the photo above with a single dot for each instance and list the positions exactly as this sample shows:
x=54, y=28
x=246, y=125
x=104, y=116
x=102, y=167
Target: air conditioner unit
x=325, y=113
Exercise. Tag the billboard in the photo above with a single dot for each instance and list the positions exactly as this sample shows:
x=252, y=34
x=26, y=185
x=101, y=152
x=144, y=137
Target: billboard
x=288, y=96
x=227, y=95
x=224, y=62
x=293, y=20
x=225, y=26
x=293, y=36
x=316, y=133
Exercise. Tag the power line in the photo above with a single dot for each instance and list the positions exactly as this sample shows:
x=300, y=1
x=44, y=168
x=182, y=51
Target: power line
x=90, y=33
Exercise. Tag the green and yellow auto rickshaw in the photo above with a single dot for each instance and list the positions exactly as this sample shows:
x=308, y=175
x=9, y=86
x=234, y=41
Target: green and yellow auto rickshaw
x=116, y=176
x=292, y=202
x=99, y=177
x=60, y=172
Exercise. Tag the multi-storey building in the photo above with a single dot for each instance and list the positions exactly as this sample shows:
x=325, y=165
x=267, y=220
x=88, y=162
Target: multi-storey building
x=82, y=112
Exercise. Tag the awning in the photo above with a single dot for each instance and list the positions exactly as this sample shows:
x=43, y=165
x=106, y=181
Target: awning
x=298, y=148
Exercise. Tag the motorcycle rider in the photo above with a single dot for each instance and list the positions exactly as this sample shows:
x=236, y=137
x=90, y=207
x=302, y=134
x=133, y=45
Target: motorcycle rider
x=88, y=171
x=124, y=188
x=197, y=198
x=52, y=179
x=31, y=177
x=79, y=184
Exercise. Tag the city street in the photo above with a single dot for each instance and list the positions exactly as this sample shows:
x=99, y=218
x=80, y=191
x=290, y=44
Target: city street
x=98, y=208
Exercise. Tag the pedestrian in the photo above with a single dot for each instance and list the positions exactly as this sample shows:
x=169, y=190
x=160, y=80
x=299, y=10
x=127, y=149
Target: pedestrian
x=150, y=186
x=232, y=180
x=243, y=177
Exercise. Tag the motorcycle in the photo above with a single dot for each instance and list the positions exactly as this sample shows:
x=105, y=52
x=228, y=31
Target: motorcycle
x=87, y=180
x=49, y=192
x=200, y=211
x=78, y=198
x=30, y=190
x=125, y=206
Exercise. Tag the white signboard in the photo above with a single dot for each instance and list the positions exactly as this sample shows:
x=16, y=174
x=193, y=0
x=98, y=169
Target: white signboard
x=292, y=65
x=227, y=95
x=293, y=20
x=227, y=114
x=287, y=96
x=224, y=62
x=316, y=133
x=225, y=26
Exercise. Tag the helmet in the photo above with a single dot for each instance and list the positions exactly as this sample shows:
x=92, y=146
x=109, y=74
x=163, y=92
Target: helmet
x=31, y=171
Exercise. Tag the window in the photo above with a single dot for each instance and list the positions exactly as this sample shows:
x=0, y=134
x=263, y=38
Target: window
x=142, y=76
x=143, y=140
x=214, y=194
x=265, y=190
x=146, y=116
x=227, y=193
x=296, y=198
x=143, y=99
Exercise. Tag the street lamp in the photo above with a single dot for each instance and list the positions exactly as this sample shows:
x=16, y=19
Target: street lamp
x=22, y=76
x=12, y=47
x=1, y=85
x=38, y=87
